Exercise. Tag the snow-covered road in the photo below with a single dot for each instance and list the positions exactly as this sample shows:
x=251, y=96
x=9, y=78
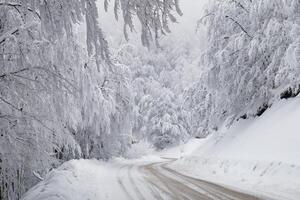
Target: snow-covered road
x=127, y=180
x=157, y=181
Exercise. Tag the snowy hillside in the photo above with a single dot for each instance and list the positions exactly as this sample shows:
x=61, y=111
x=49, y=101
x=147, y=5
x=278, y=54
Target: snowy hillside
x=261, y=155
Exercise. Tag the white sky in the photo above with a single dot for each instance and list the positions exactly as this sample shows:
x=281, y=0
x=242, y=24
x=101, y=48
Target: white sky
x=184, y=30
x=192, y=12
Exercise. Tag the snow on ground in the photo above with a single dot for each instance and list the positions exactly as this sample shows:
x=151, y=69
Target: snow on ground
x=117, y=179
x=90, y=180
x=77, y=180
x=260, y=155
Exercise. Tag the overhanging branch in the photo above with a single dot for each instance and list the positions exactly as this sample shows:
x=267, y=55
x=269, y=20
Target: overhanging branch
x=15, y=5
x=13, y=73
x=15, y=30
x=239, y=25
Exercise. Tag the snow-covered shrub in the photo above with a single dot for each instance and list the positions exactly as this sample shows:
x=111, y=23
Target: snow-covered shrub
x=139, y=149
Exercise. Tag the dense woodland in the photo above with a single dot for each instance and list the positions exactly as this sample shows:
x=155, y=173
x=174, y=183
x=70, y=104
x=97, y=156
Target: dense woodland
x=62, y=99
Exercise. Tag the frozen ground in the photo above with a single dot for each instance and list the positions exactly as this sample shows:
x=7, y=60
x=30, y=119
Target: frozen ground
x=255, y=159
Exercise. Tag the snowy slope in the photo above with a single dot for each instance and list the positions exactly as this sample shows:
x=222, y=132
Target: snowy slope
x=260, y=155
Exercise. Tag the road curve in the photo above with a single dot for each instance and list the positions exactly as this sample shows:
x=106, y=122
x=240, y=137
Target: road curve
x=157, y=181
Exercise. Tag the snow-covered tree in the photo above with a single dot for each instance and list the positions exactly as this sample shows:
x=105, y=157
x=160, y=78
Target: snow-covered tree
x=60, y=98
x=159, y=117
x=252, y=59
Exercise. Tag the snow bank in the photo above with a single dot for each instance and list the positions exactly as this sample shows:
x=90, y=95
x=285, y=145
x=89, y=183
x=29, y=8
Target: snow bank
x=260, y=155
x=77, y=180
x=92, y=180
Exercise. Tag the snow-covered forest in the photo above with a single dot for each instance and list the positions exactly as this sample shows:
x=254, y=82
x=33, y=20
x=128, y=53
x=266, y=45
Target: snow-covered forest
x=100, y=79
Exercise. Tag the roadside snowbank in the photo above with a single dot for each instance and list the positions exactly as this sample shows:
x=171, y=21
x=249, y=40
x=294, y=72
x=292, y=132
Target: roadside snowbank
x=260, y=155
x=77, y=180
x=91, y=179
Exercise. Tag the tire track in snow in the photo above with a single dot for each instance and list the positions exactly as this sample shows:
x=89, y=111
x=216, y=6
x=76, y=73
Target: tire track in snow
x=121, y=183
x=155, y=190
x=157, y=181
x=193, y=188
x=178, y=189
x=216, y=191
x=134, y=185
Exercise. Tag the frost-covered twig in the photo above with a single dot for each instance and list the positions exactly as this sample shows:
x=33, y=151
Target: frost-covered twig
x=15, y=30
x=15, y=5
x=240, y=5
x=25, y=113
x=13, y=73
x=237, y=23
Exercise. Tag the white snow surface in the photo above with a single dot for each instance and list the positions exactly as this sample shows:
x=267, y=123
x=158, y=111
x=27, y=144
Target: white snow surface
x=77, y=180
x=86, y=179
x=94, y=180
x=261, y=155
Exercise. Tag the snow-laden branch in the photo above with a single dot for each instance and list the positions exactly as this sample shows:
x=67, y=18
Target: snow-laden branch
x=42, y=69
x=26, y=113
x=15, y=30
x=239, y=25
x=37, y=175
x=240, y=5
x=13, y=73
x=16, y=5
